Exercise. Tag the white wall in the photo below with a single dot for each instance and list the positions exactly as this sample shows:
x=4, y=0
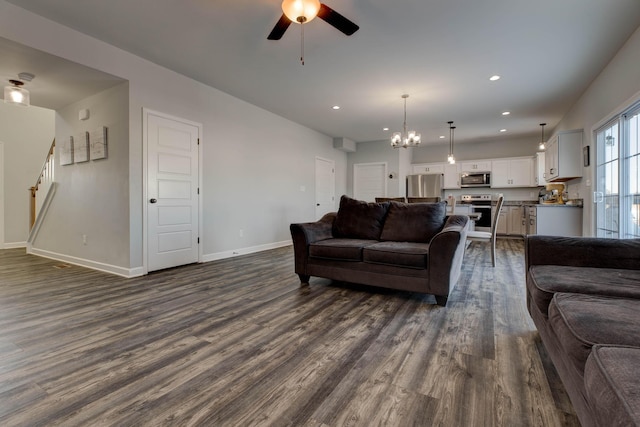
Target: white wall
x=27, y=134
x=517, y=147
x=254, y=161
x=617, y=86
x=91, y=197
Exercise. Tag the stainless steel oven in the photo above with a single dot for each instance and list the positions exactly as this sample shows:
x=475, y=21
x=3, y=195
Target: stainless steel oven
x=480, y=203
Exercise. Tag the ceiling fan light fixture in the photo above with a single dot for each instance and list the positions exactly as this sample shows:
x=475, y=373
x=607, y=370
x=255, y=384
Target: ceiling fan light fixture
x=301, y=11
x=15, y=94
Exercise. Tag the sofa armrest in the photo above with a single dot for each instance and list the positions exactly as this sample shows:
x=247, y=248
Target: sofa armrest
x=303, y=234
x=446, y=251
x=582, y=252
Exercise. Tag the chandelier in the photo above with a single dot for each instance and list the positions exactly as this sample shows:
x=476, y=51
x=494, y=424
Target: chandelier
x=405, y=139
x=542, y=144
x=450, y=158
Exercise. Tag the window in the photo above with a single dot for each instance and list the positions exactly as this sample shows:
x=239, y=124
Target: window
x=617, y=194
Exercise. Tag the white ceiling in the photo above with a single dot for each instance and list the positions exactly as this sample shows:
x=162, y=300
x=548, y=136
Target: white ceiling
x=441, y=52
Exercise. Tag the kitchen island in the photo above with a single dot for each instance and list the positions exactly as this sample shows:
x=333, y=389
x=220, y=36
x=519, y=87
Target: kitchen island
x=554, y=220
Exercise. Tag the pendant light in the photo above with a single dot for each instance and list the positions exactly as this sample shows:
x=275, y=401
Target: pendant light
x=450, y=158
x=405, y=139
x=542, y=146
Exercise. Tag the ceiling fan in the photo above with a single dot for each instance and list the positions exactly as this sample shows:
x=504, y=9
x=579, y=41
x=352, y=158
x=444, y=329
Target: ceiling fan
x=303, y=11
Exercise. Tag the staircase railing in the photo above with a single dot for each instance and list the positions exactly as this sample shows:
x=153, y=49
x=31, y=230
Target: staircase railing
x=43, y=184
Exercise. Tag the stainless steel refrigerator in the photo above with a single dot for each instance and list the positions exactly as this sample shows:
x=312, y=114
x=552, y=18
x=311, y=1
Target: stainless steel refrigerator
x=425, y=185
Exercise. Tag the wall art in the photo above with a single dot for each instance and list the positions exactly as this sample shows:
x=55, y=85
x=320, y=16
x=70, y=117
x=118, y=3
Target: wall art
x=66, y=153
x=81, y=147
x=98, y=143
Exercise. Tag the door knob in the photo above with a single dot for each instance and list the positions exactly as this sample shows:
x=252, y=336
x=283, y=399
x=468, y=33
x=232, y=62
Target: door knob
x=153, y=200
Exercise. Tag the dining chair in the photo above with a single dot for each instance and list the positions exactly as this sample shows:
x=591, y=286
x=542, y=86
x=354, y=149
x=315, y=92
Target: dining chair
x=423, y=199
x=451, y=205
x=485, y=236
x=390, y=199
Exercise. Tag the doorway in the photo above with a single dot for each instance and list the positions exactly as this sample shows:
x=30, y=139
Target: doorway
x=369, y=181
x=325, y=186
x=171, y=194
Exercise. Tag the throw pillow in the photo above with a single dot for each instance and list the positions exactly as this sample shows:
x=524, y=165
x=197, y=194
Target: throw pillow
x=359, y=220
x=413, y=222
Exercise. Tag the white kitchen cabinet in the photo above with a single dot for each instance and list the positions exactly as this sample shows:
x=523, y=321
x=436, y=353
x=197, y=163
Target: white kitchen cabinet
x=428, y=168
x=512, y=172
x=476, y=166
x=503, y=221
x=451, y=176
x=563, y=158
x=512, y=221
x=516, y=221
x=540, y=174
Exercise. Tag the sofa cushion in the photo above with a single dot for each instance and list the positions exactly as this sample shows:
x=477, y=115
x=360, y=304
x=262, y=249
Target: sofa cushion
x=546, y=280
x=403, y=254
x=612, y=384
x=340, y=249
x=580, y=321
x=359, y=220
x=413, y=222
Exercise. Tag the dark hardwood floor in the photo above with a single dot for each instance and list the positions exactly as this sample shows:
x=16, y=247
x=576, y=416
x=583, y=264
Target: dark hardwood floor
x=238, y=342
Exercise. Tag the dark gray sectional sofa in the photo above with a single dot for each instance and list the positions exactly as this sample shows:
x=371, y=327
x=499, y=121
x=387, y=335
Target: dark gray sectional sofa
x=413, y=247
x=583, y=295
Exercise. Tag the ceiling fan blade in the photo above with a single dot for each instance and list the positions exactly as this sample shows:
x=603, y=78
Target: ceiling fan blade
x=335, y=19
x=280, y=28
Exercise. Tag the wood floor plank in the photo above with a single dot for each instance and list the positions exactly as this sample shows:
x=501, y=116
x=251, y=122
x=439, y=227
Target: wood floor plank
x=238, y=342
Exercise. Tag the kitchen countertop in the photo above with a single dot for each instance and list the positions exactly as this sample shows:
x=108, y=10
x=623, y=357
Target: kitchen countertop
x=537, y=204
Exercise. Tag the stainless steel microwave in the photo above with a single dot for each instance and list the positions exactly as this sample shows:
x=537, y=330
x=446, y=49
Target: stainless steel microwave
x=475, y=179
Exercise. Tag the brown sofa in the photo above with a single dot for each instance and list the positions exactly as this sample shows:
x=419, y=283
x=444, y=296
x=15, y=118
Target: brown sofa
x=583, y=295
x=411, y=247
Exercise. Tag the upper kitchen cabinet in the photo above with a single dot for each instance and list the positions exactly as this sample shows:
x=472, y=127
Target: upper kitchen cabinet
x=540, y=175
x=476, y=166
x=451, y=176
x=516, y=172
x=563, y=156
x=428, y=168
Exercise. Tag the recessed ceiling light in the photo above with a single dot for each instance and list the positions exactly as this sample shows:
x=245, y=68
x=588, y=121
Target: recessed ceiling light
x=385, y=129
x=494, y=78
x=441, y=136
x=503, y=130
x=336, y=107
x=506, y=113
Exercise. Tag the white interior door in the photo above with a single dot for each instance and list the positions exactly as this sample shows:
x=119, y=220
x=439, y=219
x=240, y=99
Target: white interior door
x=369, y=181
x=172, y=191
x=325, y=186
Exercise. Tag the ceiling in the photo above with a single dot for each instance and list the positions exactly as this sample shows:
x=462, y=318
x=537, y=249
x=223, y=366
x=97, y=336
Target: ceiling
x=441, y=53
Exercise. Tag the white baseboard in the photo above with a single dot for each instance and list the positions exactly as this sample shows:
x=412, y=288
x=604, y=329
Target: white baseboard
x=244, y=251
x=15, y=245
x=106, y=268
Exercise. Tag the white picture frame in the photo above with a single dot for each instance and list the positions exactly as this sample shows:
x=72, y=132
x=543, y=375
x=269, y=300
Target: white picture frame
x=81, y=147
x=98, y=143
x=66, y=153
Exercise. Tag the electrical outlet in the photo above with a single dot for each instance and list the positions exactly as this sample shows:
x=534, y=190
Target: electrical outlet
x=84, y=239
x=241, y=233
